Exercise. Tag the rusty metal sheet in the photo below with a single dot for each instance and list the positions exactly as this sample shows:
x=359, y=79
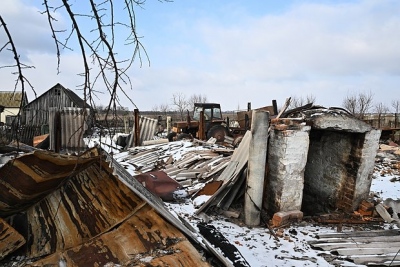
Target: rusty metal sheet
x=159, y=183
x=93, y=218
x=27, y=179
x=144, y=239
x=10, y=239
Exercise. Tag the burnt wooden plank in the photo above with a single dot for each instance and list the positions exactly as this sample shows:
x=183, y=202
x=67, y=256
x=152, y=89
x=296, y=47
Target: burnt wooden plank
x=219, y=241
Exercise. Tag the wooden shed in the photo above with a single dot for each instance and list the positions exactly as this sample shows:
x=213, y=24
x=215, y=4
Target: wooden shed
x=36, y=113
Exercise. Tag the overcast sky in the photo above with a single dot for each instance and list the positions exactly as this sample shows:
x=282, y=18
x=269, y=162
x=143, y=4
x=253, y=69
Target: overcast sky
x=234, y=51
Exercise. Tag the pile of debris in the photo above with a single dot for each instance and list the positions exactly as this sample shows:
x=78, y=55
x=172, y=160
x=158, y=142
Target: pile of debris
x=102, y=209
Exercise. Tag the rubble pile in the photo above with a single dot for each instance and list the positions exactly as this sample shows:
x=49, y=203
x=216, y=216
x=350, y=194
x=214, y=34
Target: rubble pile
x=387, y=160
x=203, y=175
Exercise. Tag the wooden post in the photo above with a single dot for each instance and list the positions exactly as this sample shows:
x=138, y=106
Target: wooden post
x=201, y=133
x=137, y=129
x=169, y=124
x=275, y=106
x=256, y=167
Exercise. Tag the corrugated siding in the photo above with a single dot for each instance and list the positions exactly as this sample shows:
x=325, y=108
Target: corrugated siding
x=72, y=125
x=148, y=128
x=10, y=239
x=366, y=248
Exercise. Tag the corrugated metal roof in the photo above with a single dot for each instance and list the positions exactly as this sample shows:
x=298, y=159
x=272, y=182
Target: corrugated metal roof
x=370, y=248
x=78, y=213
x=10, y=99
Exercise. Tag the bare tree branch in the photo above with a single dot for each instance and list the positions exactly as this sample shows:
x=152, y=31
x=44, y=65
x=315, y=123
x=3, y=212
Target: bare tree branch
x=358, y=105
x=196, y=98
x=180, y=102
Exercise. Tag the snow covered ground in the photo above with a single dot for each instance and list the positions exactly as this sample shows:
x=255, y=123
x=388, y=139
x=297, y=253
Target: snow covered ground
x=259, y=248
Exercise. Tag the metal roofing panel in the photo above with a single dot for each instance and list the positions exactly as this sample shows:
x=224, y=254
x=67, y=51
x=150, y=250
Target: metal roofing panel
x=72, y=125
x=148, y=128
x=379, y=247
x=29, y=178
x=93, y=217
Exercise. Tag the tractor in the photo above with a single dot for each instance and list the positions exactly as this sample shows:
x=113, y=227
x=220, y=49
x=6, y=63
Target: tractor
x=206, y=122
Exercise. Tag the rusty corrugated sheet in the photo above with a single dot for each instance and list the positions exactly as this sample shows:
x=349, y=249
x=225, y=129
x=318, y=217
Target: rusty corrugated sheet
x=10, y=239
x=90, y=217
x=29, y=178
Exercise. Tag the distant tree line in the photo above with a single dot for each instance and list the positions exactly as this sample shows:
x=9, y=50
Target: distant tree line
x=180, y=103
x=358, y=104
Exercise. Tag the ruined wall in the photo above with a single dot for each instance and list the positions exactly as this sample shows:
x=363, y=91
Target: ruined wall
x=287, y=156
x=364, y=174
x=332, y=159
x=331, y=170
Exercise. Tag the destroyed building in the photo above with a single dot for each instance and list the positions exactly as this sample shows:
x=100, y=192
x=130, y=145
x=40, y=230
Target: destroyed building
x=320, y=160
x=317, y=160
x=63, y=208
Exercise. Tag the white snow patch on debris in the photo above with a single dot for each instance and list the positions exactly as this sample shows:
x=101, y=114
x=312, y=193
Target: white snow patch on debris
x=386, y=186
x=200, y=200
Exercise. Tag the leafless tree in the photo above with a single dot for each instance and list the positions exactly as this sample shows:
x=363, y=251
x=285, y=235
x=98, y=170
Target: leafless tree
x=96, y=34
x=164, y=108
x=380, y=109
x=155, y=108
x=181, y=104
x=358, y=105
x=351, y=104
x=300, y=101
x=196, y=98
x=396, y=107
x=161, y=109
x=365, y=102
